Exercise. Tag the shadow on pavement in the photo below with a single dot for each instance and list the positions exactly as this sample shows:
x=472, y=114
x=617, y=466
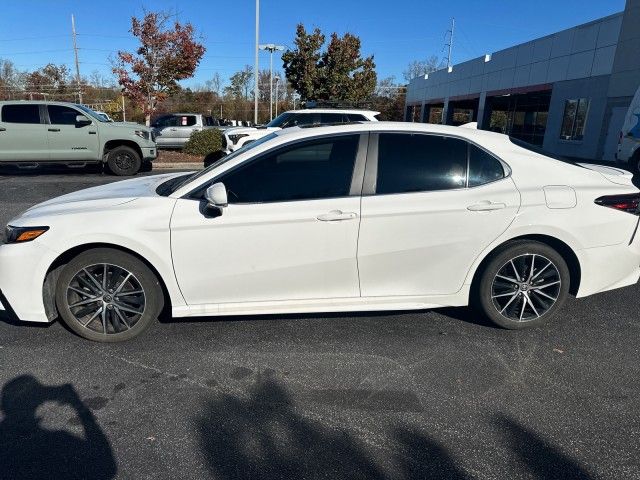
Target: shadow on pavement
x=541, y=458
x=264, y=437
x=27, y=450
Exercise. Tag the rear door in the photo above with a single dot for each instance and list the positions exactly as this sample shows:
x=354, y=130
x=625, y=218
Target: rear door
x=430, y=206
x=23, y=135
x=69, y=141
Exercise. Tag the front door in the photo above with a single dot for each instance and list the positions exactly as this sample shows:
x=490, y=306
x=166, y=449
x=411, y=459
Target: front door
x=290, y=231
x=435, y=204
x=69, y=141
x=23, y=137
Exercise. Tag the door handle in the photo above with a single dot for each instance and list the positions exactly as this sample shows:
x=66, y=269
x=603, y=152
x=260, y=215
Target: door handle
x=486, y=206
x=173, y=129
x=337, y=216
x=93, y=133
x=2, y=129
x=54, y=129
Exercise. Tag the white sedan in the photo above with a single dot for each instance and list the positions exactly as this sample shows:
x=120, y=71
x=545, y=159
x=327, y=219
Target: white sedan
x=363, y=217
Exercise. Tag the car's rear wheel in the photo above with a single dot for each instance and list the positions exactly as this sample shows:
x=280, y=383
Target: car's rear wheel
x=107, y=295
x=124, y=161
x=523, y=285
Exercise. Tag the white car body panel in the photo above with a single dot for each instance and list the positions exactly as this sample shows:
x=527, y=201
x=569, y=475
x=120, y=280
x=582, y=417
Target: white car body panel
x=408, y=251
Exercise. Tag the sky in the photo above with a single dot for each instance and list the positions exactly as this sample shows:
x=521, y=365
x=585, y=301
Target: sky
x=36, y=32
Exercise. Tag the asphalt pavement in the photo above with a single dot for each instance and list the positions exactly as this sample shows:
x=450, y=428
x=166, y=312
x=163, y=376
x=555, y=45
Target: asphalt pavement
x=408, y=395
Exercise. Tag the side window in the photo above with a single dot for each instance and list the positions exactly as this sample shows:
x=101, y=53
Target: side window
x=304, y=119
x=21, y=113
x=305, y=171
x=420, y=163
x=167, y=121
x=483, y=167
x=328, y=118
x=188, y=121
x=59, y=115
x=353, y=117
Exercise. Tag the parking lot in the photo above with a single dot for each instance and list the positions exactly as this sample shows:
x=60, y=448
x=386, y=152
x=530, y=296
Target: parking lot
x=411, y=395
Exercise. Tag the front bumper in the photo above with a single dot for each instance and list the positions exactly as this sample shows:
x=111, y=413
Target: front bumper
x=149, y=153
x=23, y=268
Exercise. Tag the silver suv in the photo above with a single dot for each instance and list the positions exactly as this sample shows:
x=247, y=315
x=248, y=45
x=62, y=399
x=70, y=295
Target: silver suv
x=175, y=129
x=33, y=132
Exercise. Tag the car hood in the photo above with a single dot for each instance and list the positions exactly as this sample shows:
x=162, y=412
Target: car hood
x=103, y=196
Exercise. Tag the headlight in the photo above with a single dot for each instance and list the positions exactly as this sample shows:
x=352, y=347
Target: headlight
x=23, y=234
x=235, y=138
x=143, y=134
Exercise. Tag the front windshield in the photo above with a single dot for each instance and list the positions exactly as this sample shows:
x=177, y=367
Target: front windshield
x=91, y=113
x=281, y=121
x=222, y=161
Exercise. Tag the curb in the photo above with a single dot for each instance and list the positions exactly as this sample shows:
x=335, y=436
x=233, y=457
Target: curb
x=178, y=166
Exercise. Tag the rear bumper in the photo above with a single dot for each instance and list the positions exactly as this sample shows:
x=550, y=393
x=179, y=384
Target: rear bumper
x=608, y=268
x=23, y=268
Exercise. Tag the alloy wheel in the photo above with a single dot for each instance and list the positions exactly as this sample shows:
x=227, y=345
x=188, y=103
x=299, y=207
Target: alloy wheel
x=124, y=161
x=526, y=287
x=106, y=298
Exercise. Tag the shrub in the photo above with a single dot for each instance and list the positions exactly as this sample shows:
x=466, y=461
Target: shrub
x=205, y=142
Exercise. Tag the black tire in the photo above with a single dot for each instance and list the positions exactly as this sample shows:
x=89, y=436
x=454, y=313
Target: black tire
x=526, y=300
x=124, y=161
x=119, y=314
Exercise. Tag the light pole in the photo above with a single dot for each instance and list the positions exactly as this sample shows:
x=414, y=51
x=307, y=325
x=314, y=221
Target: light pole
x=271, y=47
x=277, y=79
x=255, y=73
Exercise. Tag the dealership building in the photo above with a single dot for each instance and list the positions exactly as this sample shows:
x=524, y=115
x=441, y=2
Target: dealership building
x=567, y=92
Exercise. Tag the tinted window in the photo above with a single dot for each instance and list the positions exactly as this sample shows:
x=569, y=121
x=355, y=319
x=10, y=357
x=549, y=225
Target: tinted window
x=483, y=167
x=420, y=163
x=21, y=114
x=187, y=120
x=304, y=119
x=356, y=118
x=308, y=170
x=59, y=115
x=166, y=121
x=328, y=118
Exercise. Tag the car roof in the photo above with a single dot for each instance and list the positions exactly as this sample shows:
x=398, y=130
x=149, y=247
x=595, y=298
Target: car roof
x=35, y=102
x=482, y=136
x=333, y=110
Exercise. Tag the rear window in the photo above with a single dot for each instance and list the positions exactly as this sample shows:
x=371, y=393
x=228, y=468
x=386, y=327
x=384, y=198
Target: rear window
x=21, y=114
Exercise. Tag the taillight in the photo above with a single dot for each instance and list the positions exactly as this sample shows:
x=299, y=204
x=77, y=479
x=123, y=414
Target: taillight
x=625, y=203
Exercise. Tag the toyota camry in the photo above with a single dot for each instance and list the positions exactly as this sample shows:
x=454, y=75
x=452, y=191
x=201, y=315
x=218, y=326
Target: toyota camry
x=360, y=217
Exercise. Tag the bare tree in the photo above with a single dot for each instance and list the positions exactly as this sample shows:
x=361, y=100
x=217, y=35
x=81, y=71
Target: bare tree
x=418, y=68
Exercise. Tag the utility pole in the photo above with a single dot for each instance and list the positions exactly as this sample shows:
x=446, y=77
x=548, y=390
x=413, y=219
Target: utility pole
x=255, y=72
x=450, y=44
x=124, y=113
x=75, y=49
x=271, y=47
x=277, y=79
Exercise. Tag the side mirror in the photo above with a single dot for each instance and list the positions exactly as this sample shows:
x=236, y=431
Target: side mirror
x=216, y=195
x=81, y=120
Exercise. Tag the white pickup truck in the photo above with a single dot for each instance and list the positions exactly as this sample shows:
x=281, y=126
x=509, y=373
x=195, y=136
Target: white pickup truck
x=173, y=130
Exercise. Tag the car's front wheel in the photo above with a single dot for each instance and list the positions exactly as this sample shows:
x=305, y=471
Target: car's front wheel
x=523, y=285
x=124, y=161
x=107, y=295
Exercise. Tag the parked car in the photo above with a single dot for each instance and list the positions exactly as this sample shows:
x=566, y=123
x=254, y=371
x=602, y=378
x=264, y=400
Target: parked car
x=370, y=216
x=237, y=138
x=175, y=129
x=104, y=116
x=629, y=144
x=37, y=132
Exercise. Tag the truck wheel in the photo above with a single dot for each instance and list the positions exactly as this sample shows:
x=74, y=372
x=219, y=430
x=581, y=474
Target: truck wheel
x=124, y=161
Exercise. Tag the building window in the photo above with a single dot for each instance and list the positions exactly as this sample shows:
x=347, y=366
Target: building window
x=574, y=119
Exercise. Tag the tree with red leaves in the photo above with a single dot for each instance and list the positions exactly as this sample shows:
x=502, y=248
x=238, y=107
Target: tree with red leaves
x=166, y=55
